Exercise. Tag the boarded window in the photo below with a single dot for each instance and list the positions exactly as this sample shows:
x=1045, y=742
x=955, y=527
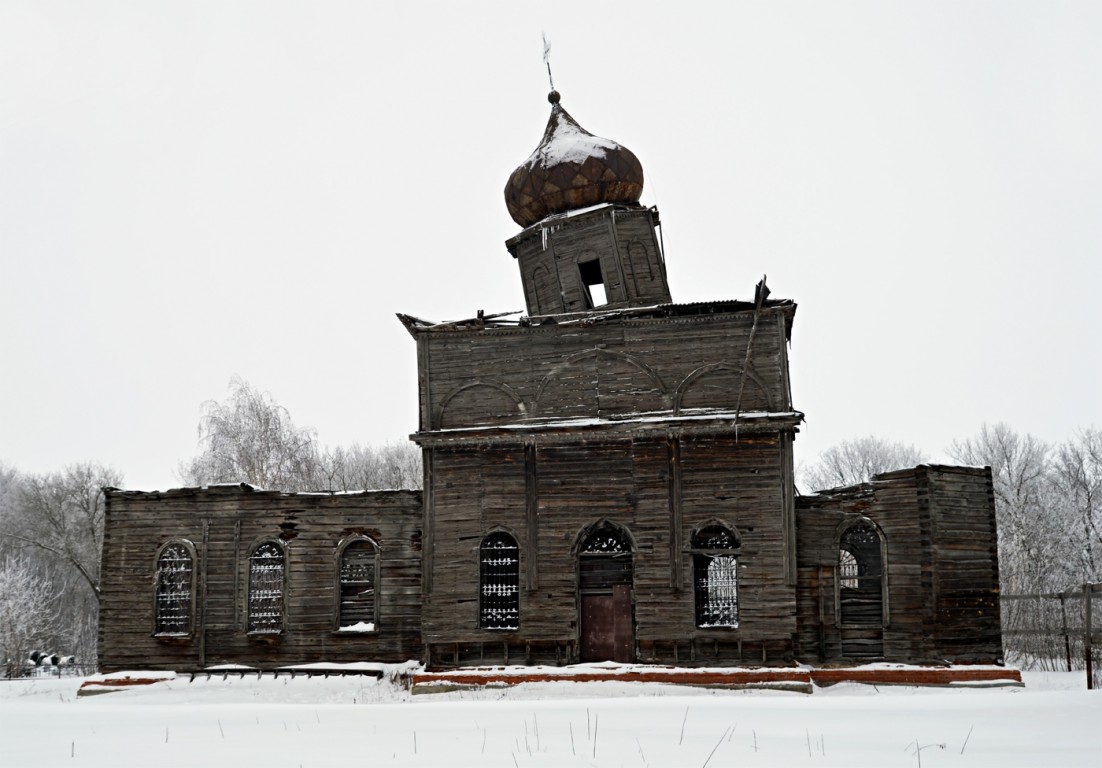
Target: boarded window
x=860, y=576
x=499, y=581
x=715, y=577
x=266, y=582
x=175, y=570
x=358, y=576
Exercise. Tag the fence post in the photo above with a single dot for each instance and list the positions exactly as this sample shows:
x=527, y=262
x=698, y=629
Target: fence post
x=1064, y=629
x=1088, y=591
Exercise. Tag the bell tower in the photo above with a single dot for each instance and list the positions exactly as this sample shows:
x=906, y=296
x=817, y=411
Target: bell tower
x=587, y=244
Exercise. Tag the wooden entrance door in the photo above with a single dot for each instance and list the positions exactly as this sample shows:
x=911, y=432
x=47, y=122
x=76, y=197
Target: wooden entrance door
x=607, y=625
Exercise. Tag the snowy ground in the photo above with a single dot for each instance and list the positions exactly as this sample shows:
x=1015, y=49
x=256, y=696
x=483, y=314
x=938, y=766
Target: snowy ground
x=235, y=723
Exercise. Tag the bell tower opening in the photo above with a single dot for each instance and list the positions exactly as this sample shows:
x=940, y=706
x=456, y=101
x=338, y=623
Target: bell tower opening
x=593, y=282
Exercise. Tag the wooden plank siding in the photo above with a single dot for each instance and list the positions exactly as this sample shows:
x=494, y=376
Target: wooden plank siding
x=940, y=565
x=223, y=523
x=544, y=431
x=626, y=483
x=612, y=369
x=622, y=239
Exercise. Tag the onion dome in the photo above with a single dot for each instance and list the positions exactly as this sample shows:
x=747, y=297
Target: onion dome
x=571, y=169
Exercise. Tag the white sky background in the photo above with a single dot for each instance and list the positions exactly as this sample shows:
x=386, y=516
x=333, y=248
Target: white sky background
x=190, y=191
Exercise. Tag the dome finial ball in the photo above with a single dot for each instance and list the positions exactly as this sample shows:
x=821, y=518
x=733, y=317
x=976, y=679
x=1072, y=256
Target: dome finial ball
x=553, y=97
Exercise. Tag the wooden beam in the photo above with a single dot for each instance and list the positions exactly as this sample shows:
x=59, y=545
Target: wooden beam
x=674, y=452
x=531, y=514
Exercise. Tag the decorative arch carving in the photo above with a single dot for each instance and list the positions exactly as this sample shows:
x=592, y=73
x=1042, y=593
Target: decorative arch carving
x=541, y=281
x=512, y=405
x=688, y=389
x=715, y=522
x=598, y=527
x=602, y=398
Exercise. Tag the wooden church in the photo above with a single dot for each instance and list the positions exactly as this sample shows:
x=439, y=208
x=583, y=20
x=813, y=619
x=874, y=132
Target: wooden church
x=607, y=478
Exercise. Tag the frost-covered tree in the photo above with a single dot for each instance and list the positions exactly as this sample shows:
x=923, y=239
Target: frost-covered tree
x=54, y=522
x=1030, y=532
x=394, y=465
x=1077, y=477
x=250, y=438
x=29, y=615
x=62, y=514
x=856, y=461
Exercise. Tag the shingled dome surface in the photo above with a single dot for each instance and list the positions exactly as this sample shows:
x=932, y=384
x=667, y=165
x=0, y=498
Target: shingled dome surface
x=570, y=169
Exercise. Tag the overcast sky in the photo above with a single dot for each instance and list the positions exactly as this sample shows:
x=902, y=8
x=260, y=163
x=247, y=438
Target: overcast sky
x=190, y=191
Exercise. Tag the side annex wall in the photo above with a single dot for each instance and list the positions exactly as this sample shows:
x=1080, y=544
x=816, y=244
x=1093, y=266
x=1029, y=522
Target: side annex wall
x=221, y=525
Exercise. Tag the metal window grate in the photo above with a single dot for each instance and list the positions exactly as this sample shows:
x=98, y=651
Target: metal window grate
x=266, y=579
x=499, y=582
x=847, y=569
x=715, y=577
x=174, y=583
x=358, y=569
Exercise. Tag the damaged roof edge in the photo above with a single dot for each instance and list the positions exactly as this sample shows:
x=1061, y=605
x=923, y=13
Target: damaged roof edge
x=416, y=325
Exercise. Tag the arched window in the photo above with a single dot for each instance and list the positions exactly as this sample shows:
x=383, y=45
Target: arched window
x=861, y=575
x=359, y=575
x=175, y=589
x=499, y=582
x=266, y=584
x=715, y=577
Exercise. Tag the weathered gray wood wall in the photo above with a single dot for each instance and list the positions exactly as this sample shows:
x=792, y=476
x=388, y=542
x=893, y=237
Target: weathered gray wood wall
x=622, y=239
x=628, y=483
x=674, y=360
x=544, y=431
x=223, y=523
x=940, y=563
x=965, y=562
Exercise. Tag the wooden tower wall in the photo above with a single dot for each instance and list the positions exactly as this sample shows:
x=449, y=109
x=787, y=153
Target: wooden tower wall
x=623, y=240
x=607, y=369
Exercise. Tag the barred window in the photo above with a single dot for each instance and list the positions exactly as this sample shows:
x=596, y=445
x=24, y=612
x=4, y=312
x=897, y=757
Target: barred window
x=358, y=576
x=266, y=583
x=715, y=577
x=847, y=569
x=175, y=586
x=499, y=582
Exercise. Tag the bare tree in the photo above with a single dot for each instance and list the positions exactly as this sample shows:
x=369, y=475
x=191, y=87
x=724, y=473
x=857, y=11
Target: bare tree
x=1029, y=535
x=62, y=514
x=856, y=461
x=1077, y=476
x=29, y=616
x=56, y=522
x=394, y=465
x=250, y=438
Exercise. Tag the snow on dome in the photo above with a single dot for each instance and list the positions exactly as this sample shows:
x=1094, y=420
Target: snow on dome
x=570, y=169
